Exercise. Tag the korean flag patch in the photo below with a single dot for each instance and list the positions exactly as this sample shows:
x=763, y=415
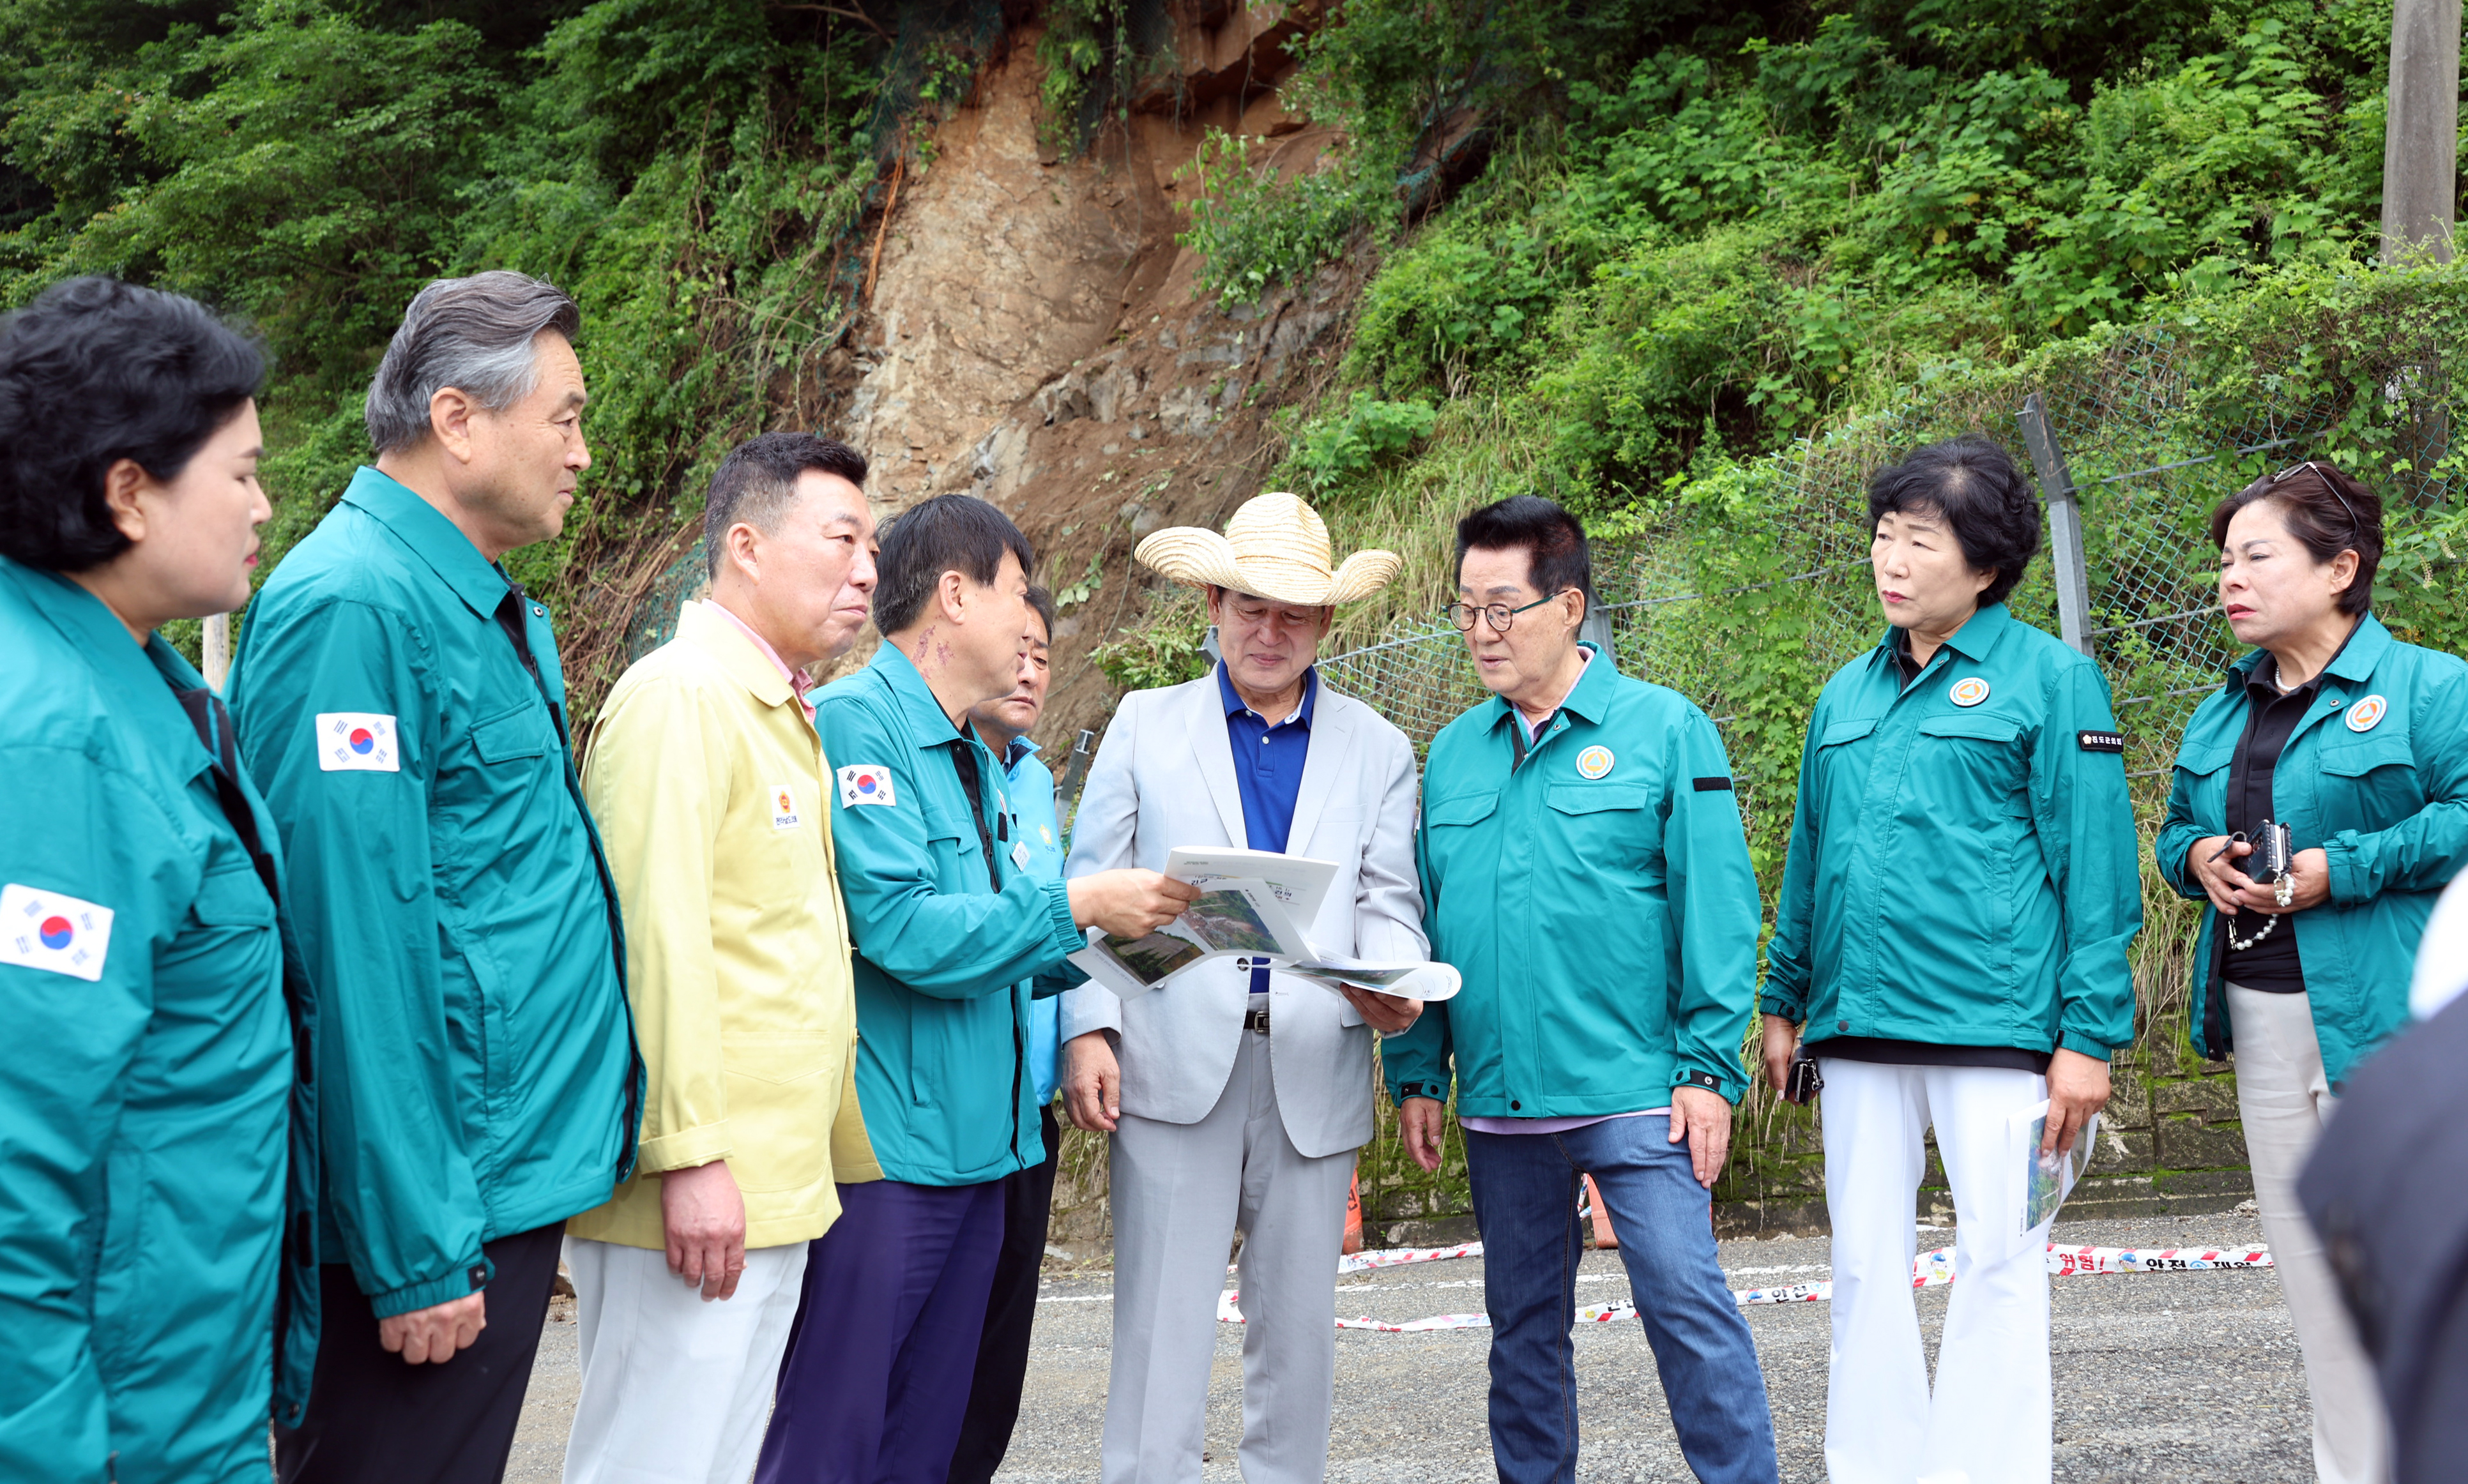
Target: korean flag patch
x=47, y=930
x=866, y=783
x=357, y=742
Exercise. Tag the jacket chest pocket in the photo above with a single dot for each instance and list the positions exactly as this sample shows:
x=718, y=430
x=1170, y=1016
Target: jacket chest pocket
x=233, y=898
x=2202, y=770
x=496, y=764
x=230, y=927
x=512, y=736
x=1455, y=826
x=959, y=862
x=1606, y=822
x=1841, y=765
x=1972, y=758
x=2367, y=783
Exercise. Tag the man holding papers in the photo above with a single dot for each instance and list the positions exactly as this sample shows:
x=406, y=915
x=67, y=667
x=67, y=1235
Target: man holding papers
x=1238, y=1093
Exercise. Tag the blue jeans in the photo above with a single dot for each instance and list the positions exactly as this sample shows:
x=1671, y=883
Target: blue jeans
x=1525, y=1201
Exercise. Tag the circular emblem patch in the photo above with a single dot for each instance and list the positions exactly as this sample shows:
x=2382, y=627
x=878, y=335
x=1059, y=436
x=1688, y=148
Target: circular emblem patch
x=1968, y=692
x=2366, y=715
x=1594, y=761
x=1046, y=835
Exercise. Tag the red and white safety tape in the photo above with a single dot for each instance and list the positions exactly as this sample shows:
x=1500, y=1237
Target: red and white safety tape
x=1932, y=1269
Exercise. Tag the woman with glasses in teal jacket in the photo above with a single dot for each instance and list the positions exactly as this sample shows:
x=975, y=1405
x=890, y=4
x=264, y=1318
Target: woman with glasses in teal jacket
x=2357, y=745
x=157, y=1149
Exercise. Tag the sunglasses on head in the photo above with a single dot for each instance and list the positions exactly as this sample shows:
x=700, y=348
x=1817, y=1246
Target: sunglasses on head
x=2321, y=474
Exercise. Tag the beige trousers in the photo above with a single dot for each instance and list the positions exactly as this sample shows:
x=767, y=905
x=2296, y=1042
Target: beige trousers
x=2284, y=1099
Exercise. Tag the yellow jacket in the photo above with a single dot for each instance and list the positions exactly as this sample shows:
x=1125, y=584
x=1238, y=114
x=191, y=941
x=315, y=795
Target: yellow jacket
x=714, y=800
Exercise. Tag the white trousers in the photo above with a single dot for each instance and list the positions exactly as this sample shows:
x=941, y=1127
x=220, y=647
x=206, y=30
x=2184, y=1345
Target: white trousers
x=1179, y=1192
x=674, y=1390
x=2284, y=1099
x=1991, y=1417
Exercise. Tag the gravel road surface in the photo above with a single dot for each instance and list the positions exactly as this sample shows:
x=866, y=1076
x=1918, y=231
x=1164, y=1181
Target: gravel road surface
x=2160, y=1377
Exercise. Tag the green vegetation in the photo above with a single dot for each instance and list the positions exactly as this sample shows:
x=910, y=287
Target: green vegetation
x=1702, y=236
x=1734, y=230
x=1091, y=66
x=1704, y=266
x=687, y=173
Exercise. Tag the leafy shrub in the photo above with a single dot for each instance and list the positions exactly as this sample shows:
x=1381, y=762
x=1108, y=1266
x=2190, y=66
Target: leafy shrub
x=1165, y=649
x=1254, y=228
x=1089, y=62
x=1367, y=434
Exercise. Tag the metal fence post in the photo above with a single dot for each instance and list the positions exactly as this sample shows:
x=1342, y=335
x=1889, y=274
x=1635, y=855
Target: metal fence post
x=1598, y=626
x=1067, y=794
x=2421, y=131
x=214, y=650
x=2065, y=524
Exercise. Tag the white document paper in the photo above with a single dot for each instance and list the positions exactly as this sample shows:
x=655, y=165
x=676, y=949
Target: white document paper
x=1298, y=882
x=1232, y=916
x=1258, y=903
x=2041, y=1183
x=1420, y=980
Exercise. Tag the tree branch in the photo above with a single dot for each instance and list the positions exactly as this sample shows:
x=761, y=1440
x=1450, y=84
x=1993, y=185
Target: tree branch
x=851, y=13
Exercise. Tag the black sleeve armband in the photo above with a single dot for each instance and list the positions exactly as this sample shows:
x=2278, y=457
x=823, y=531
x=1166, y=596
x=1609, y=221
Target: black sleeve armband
x=1419, y=1089
x=1705, y=1080
x=2101, y=741
x=1713, y=785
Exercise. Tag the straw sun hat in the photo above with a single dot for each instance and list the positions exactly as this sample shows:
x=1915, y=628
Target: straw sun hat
x=1275, y=547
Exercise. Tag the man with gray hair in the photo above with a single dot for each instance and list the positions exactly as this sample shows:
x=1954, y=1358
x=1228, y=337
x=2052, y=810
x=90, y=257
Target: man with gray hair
x=398, y=701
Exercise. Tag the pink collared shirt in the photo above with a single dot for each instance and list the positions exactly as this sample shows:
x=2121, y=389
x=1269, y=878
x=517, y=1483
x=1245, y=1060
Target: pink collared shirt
x=774, y=655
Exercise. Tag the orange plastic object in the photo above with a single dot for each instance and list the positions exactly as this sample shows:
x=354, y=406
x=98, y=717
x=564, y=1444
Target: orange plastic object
x=1605, y=1239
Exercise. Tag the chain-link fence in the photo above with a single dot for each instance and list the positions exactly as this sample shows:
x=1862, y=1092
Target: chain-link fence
x=2132, y=464
x=2131, y=453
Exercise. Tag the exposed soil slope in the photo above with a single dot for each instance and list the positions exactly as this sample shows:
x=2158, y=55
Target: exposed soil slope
x=1033, y=337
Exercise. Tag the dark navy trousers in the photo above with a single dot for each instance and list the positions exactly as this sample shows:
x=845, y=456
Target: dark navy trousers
x=885, y=1344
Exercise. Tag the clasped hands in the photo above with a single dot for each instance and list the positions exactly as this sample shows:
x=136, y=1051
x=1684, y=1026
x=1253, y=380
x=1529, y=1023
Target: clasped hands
x=2213, y=863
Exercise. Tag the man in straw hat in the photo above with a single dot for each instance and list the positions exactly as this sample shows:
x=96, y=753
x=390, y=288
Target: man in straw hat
x=1238, y=1095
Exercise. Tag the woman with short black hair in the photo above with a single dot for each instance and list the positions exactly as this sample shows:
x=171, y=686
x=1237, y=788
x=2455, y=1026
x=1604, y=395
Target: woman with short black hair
x=2320, y=805
x=1951, y=946
x=160, y=1295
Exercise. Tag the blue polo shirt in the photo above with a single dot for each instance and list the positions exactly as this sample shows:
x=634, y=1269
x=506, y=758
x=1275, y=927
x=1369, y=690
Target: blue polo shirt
x=1268, y=760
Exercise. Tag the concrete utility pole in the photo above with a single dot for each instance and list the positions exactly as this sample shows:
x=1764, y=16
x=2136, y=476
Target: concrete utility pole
x=2421, y=138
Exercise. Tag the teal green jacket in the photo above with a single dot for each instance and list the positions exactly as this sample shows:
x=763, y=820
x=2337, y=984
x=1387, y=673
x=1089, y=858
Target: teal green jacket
x=947, y=940
x=2379, y=790
x=1962, y=875
x=1598, y=900
x=476, y=1072
x=157, y=1134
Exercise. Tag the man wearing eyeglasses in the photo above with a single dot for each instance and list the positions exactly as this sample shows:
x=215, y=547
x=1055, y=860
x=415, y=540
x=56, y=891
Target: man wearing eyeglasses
x=1585, y=869
x=1238, y=1094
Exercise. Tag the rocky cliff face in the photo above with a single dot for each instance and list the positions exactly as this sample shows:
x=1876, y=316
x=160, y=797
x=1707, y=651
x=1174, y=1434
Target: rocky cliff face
x=1033, y=336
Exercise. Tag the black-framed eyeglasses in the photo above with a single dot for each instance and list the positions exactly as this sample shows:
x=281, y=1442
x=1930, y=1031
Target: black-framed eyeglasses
x=2322, y=476
x=1499, y=615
